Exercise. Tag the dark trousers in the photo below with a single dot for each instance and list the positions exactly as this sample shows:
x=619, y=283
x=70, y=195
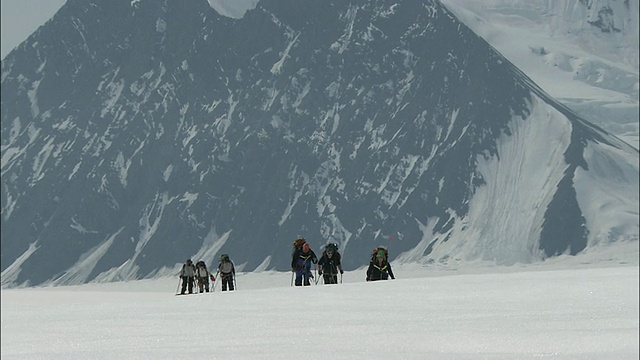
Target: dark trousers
x=203, y=284
x=379, y=276
x=187, y=281
x=227, y=282
x=303, y=275
x=330, y=278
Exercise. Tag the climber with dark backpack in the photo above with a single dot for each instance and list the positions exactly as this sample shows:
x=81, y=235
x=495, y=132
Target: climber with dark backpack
x=330, y=264
x=227, y=272
x=202, y=276
x=187, y=274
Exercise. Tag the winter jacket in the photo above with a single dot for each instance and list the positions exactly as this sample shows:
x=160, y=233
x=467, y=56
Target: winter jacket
x=188, y=270
x=379, y=272
x=202, y=271
x=330, y=265
x=301, y=259
x=226, y=268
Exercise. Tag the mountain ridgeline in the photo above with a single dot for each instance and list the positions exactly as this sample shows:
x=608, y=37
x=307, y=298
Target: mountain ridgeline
x=137, y=134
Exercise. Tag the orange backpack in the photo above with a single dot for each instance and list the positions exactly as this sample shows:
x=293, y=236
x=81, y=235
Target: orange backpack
x=297, y=245
x=378, y=249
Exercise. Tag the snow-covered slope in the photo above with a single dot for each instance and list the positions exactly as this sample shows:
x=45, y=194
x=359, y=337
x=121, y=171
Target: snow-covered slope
x=576, y=311
x=582, y=52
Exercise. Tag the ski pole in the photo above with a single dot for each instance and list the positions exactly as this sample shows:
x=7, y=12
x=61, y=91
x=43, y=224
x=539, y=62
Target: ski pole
x=235, y=284
x=214, y=281
x=291, y=277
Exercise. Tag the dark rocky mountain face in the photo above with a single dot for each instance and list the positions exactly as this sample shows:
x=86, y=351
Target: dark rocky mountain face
x=137, y=134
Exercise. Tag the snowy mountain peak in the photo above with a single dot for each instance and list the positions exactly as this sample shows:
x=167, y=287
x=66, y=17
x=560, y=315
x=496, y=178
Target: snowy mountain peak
x=174, y=132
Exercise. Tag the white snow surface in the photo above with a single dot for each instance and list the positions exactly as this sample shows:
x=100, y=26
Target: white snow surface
x=583, y=307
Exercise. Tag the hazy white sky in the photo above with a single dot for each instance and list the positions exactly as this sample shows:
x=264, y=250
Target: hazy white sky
x=20, y=18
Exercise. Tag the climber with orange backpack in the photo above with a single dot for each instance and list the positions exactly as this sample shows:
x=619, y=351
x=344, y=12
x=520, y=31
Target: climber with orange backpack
x=301, y=260
x=379, y=267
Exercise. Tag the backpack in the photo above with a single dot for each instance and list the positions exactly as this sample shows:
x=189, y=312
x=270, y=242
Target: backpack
x=202, y=271
x=188, y=269
x=376, y=250
x=297, y=245
x=332, y=247
x=225, y=266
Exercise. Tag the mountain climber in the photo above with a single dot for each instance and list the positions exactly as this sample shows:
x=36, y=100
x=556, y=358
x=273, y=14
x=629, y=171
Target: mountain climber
x=202, y=276
x=227, y=272
x=379, y=269
x=187, y=274
x=330, y=264
x=301, y=264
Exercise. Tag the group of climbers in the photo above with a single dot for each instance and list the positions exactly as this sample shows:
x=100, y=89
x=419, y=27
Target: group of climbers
x=199, y=274
x=329, y=266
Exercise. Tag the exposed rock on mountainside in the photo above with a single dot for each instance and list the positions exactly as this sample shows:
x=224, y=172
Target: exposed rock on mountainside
x=138, y=134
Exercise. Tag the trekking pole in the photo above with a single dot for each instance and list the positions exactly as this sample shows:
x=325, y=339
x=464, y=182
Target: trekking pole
x=291, y=278
x=179, y=281
x=235, y=284
x=214, y=281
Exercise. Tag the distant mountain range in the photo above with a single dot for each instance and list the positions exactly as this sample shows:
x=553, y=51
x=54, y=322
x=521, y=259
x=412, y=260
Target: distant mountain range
x=137, y=134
